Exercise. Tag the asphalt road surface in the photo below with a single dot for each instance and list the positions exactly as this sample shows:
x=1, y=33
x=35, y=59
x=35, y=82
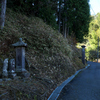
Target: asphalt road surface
x=85, y=86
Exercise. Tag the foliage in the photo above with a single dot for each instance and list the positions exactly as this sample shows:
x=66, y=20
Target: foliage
x=92, y=38
x=40, y=8
x=78, y=17
x=91, y=55
x=76, y=13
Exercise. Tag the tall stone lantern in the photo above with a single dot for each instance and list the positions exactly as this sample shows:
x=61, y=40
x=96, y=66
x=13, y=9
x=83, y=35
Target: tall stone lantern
x=83, y=54
x=20, y=57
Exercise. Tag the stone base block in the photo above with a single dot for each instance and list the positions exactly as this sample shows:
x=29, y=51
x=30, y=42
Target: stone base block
x=12, y=75
x=24, y=74
x=5, y=74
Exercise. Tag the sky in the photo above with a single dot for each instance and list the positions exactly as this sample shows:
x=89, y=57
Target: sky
x=94, y=6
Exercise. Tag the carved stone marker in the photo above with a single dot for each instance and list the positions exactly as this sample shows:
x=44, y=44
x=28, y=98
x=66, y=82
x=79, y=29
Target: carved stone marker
x=83, y=54
x=12, y=73
x=5, y=67
x=20, y=58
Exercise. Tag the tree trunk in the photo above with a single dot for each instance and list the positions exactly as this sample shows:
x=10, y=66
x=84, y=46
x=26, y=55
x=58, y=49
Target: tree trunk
x=36, y=5
x=59, y=15
x=65, y=21
x=63, y=26
x=65, y=30
x=2, y=12
x=98, y=51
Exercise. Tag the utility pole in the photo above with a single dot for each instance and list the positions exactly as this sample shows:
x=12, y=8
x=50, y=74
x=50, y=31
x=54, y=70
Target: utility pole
x=98, y=50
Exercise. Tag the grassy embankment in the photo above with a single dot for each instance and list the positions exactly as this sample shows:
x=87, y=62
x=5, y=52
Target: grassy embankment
x=52, y=59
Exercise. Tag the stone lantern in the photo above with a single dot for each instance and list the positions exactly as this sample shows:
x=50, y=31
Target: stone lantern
x=20, y=57
x=83, y=54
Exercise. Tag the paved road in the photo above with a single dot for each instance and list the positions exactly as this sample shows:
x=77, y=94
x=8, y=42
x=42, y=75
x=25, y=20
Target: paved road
x=85, y=86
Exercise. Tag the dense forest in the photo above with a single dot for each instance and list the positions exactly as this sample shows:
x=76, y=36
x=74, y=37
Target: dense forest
x=70, y=17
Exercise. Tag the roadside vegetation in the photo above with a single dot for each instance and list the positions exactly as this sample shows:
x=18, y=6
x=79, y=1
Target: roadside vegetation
x=92, y=40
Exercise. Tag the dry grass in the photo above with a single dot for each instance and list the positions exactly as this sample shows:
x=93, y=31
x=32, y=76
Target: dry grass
x=52, y=58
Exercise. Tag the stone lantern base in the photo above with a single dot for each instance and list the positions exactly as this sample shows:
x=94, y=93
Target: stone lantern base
x=12, y=75
x=23, y=74
x=4, y=74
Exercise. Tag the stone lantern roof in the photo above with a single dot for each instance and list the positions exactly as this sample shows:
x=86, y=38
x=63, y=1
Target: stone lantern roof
x=20, y=43
x=83, y=46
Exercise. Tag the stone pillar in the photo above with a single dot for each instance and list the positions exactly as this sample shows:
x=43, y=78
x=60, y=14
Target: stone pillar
x=20, y=58
x=83, y=54
x=5, y=67
x=12, y=73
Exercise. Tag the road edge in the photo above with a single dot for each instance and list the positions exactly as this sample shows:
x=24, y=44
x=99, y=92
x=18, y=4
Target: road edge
x=55, y=94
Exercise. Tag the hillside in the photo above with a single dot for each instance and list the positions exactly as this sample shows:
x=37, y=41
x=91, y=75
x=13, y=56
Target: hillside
x=52, y=59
